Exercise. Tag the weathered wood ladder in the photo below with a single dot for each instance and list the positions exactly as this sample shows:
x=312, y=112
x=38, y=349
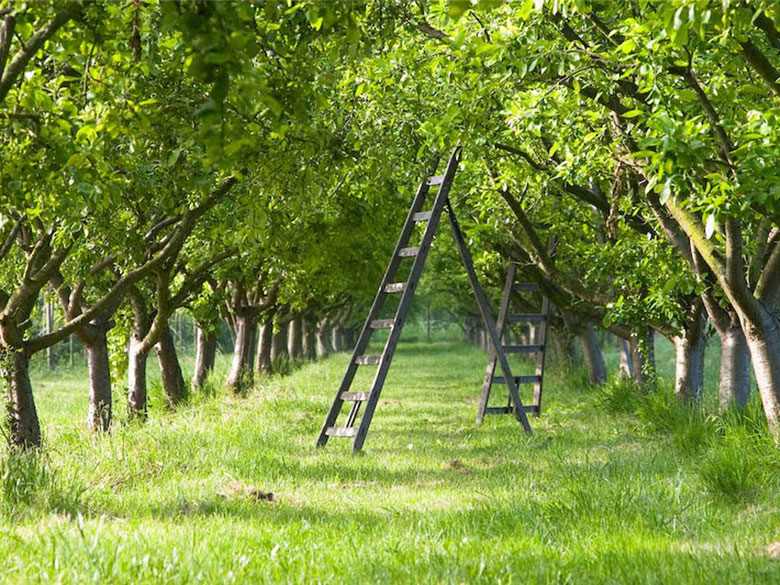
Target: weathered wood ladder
x=537, y=347
x=388, y=286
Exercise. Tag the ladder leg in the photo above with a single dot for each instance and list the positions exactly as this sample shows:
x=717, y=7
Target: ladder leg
x=487, y=318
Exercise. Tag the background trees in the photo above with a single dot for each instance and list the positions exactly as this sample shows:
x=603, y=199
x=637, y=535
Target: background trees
x=250, y=164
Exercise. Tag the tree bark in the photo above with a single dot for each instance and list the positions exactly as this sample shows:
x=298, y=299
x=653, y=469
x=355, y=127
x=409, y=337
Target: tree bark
x=241, y=375
x=763, y=339
x=626, y=365
x=174, y=388
x=643, y=360
x=295, y=337
x=309, y=339
x=594, y=358
x=689, y=363
x=734, y=367
x=279, y=343
x=24, y=432
x=93, y=338
x=324, y=347
x=338, y=338
x=264, y=363
x=205, y=352
x=137, y=395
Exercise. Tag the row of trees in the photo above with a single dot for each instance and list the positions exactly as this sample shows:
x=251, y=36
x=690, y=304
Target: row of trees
x=251, y=162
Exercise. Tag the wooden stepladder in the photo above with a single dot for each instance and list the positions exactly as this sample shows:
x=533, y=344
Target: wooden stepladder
x=437, y=187
x=536, y=347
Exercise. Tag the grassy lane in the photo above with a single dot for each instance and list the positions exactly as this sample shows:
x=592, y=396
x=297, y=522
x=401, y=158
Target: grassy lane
x=593, y=497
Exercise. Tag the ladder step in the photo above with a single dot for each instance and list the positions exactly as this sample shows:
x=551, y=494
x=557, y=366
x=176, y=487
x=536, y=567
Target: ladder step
x=526, y=286
x=355, y=396
x=395, y=287
x=409, y=252
x=368, y=360
x=518, y=379
x=422, y=216
x=508, y=409
x=437, y=180
x=382, y=323
x=525, y=318
x=523, y=348
x=341, y=431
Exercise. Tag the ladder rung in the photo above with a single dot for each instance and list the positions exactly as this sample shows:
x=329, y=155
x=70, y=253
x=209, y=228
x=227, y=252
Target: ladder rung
x=526, y=286
x=355, y=396
x=395, y=287
x=341, y=431
x=409, y=252
x=498, y=410
x=368, y=360
x=422, y=216
x=508, y=409
x=523, y=348
x=437, y=180
x=382, y=323
x=525, y=318
x=518, y=379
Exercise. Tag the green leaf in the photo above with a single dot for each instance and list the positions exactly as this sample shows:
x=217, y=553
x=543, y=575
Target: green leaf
x=627, y=46
x=632, y=113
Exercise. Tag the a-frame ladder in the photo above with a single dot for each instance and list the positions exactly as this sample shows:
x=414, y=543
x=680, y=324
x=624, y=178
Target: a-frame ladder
x=430, y=217
x=536, y=347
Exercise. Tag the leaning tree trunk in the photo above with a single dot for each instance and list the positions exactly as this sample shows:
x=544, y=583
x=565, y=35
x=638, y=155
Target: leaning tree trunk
x=23, y=429
x=594, y=358
x=295, y=337
x=137, y=395
x=241, y=376
x=734, y=367
x=95, y=343
x=264, y=364
x=689, y=363
x=205, y=352
x=174, y=388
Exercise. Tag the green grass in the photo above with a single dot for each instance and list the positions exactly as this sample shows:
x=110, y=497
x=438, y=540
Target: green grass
x=603, y=492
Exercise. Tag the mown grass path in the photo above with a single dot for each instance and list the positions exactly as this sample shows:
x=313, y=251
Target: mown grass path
x=592, y=497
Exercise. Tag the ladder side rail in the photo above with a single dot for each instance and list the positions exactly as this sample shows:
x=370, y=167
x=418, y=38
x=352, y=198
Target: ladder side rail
x=500, y=325
x=376, y=307
x=541, y=356
x=406, y=301
x=465, y=255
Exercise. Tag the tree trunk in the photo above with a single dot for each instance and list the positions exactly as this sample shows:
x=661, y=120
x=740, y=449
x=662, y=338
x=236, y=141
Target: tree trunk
x=49, y=322
x=689, y=363
x=643, y=361
x=626, y=365
x=324, y=346
x=99, y=367
x=264, y=363
x=205, y=352
x=136, y=379
x=763, y=339
x=279, y=344
x=295, y=338
x=309, y=339
x=338, y=338
x=174, y=388
x=24, y=431
x=594, y=359
x=734, y=368
x=241, y=376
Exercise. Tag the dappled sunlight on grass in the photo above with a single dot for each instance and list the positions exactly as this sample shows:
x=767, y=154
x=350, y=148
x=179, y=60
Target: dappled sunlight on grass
x=233, y=489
